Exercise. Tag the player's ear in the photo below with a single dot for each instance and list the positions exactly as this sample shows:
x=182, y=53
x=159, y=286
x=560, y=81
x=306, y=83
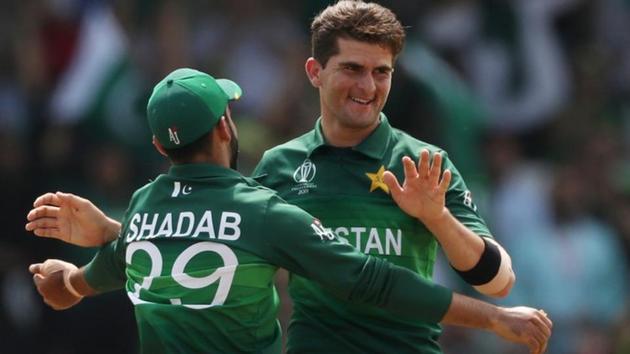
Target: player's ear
x=313, y=69
x=222, y=129
x=159, y=147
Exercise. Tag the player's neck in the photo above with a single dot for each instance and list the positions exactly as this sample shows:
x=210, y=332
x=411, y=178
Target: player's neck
x=339, y=135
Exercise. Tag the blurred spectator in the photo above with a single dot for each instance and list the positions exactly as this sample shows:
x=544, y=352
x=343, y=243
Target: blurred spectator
x=568, y=261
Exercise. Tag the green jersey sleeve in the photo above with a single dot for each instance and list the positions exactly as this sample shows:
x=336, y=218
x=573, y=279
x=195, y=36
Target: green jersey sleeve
x=106, y=271
x=298, y=242
x=460, y=203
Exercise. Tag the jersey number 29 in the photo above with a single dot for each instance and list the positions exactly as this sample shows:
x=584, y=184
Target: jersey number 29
x=224, y=274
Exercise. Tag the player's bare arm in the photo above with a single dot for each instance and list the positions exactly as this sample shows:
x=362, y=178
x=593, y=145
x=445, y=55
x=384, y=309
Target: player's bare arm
x=423, y=196
x=61, y=284
x=72, y=219
x=521, y=324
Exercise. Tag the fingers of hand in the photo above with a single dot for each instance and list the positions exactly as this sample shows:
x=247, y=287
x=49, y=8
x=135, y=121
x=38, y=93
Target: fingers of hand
x=423, y=164
x=536, y=334
x=392, y=182
x=46, y=199
x=445, y=182
x=540, y=338
x=55, y=265
x=43, y=212
x=543, y=325
x=34, y=268
x=42, y=223
x=70, y=199
x=410, y=168
x=51, y=232
x=543, y=316
x=37, y=279
x=436, y=169
x=533, y=345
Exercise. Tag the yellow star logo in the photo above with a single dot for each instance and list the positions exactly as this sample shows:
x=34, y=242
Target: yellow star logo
x=377, y=180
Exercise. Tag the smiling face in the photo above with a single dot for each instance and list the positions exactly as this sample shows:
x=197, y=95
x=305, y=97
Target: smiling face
x=353, y=86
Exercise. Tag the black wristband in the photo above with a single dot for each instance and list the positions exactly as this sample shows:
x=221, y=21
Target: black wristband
x=486, y=269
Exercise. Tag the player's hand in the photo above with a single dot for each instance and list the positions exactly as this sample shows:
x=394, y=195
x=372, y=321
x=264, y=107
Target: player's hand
x=72, y=219
x=423, y=193
x=49, y=281
x=524, y=325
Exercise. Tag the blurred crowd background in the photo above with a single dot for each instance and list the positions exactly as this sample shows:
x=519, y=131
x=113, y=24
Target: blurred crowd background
x=531, y=98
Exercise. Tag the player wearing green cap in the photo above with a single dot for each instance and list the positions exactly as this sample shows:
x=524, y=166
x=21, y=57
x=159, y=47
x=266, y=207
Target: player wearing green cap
x=199, y=246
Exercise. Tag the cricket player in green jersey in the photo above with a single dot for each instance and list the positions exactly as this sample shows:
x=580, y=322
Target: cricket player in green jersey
x=199, y=246
x=344, y=173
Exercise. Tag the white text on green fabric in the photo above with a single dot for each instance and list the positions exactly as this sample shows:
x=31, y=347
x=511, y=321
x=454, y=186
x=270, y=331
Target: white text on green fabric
x=369, y=240
x=145, y=226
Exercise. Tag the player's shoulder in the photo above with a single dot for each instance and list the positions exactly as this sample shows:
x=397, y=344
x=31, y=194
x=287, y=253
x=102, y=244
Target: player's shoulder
x=297, y=146
x=405, y=144
x=257, y=194
x=146, y=188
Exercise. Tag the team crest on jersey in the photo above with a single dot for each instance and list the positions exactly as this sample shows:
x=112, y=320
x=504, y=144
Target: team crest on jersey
x=377, y=181
x=303, y=176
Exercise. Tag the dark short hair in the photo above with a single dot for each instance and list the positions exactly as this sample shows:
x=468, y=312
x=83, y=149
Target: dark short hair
x=365, y=22
x=186, y=153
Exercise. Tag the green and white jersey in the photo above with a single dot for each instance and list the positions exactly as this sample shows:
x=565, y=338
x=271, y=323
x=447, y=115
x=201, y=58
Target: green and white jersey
x=343, y=187
x=197, y=255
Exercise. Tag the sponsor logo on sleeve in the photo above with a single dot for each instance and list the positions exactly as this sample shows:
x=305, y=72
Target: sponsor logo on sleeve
x=468, y=201
x=323, y=233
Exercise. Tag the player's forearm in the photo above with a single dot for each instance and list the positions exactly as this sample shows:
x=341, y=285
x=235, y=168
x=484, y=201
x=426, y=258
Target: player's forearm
x=462, y=247
x=482, y=263
x=401, y=291
x=468, y=312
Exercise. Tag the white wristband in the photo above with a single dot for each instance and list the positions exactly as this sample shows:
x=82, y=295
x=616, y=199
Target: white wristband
x=66, y=282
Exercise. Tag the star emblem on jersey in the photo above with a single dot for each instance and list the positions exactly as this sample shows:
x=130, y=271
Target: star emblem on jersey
x=377, y=180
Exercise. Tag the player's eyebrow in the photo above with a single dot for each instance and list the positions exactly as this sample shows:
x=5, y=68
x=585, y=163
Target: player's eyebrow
x=385, y=68
x=355, y=65
x=350, y=64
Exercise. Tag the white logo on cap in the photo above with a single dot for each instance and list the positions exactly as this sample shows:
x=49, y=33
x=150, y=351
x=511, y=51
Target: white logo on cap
x=172, y=135
x=305, y=172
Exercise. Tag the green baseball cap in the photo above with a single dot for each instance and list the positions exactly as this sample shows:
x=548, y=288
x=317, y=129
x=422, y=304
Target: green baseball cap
x=187, y=104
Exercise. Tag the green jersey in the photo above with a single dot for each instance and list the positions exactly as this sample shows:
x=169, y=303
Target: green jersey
x=197, y=254
x=344, y=188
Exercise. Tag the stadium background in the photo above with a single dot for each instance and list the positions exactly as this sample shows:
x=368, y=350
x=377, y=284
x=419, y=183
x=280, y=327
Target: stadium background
x=530, y=97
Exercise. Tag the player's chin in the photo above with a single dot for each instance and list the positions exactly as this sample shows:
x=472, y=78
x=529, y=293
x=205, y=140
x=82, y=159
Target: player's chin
x=362, y=118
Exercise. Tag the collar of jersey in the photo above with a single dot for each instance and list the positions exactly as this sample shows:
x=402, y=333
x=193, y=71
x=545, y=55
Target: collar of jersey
x=374, y=146
x=201, y=170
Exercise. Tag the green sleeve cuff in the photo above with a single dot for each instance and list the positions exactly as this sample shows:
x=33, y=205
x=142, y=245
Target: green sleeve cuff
x=418, y=298
x=106, y=271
